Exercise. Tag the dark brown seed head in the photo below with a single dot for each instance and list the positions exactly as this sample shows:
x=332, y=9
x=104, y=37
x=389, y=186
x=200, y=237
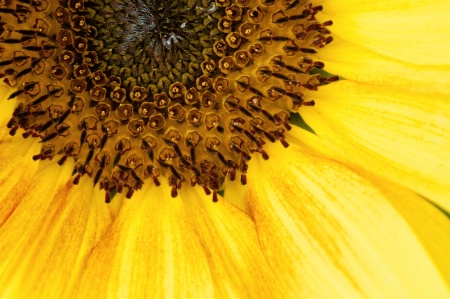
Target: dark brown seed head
x=143, y=91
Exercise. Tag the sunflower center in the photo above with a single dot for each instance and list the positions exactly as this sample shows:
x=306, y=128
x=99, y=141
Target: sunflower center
x=159, y=43
x=139, y=91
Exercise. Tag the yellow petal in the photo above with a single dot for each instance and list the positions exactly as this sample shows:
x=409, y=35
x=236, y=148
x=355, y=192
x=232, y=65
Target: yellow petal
x=402, y=136
x=409, y=31
x=184, y=247
x=17, y=166
x=333, y=234
x=47, y=236
x=151, y=251
x=339, y=6
x=430, y=224
x=233, y=194
x=358, y=64
x=229, y=239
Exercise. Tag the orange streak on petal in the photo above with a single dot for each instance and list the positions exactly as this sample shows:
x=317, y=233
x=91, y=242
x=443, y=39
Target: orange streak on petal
x=45, y=241
x=16, y=166
x=320, y=223
x=151, y=251
x=403, y=136
x=229, y=238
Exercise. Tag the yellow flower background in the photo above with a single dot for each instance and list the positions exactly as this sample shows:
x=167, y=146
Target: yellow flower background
x=357, y=210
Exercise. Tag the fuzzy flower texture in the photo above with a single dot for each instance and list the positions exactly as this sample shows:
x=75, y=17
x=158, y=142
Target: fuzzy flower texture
x=224, y=149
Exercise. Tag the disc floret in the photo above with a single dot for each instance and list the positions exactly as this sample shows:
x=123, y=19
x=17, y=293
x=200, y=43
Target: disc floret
x=142, y=91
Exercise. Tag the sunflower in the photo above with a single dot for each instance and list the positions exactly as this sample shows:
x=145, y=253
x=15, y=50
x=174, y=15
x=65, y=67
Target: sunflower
x=349, y=200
